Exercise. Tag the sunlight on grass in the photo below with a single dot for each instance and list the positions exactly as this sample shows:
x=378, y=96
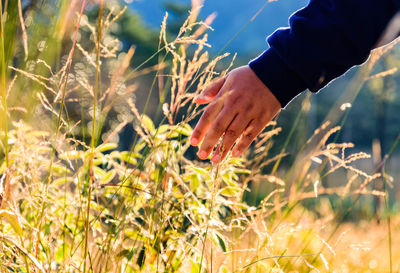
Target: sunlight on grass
x=72, y=200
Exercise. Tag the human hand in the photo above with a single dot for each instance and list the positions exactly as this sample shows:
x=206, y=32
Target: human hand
x=240, y=105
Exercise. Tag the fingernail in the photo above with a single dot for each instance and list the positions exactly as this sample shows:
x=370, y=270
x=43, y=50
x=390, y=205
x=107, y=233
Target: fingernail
x=236, y=153
x=202, y=154
x=215, y=158
x=202, y=97
x=194, y=141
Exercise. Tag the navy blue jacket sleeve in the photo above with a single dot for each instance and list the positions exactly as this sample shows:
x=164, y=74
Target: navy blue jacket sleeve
x=324, y=40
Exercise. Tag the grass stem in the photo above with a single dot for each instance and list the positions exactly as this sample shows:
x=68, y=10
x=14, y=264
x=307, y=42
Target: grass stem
x=3, y=93
x=93, y=138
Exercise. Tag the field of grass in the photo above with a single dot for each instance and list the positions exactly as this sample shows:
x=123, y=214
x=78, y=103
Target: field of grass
x=72, y=200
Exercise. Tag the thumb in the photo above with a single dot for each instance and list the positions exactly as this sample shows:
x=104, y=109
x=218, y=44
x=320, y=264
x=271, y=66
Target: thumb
x=210, y=92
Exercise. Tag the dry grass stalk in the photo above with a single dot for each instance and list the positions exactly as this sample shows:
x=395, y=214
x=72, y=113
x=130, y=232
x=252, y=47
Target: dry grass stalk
x=150, y=207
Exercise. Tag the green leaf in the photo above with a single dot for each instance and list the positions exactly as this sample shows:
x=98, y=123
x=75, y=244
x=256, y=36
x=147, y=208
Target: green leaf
x=172, y=134
x=184, y=129
x=140, y=145
x=99, y=173
x=221, y=242
x=194, y=182
x=109, y=176
x=165, y=128
x=228, y=181
x=229, y=191
x=142, y=257
x=12, y=219
x=242, y=171
x=236, y=160
x=59, y=169
x=115, y=154
x=149, y=124
x=200, y=171
x=62, y=180
x=98, y=161
x=106, y=147
x=72, y=155
x=129, y=157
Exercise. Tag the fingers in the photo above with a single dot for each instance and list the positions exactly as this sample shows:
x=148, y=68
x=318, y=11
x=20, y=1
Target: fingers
x=246, y=106
x=217, y=129
x=210, y=92
x=232, y=133
x=247, y=138
x=208, y=117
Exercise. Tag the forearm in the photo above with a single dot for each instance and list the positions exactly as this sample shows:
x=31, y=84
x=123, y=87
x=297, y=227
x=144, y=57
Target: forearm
x=324, y=40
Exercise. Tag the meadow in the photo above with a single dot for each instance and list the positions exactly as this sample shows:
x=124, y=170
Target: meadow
x=73, y=199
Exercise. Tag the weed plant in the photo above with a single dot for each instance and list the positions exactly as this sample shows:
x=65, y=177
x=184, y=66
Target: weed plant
x=72, y=201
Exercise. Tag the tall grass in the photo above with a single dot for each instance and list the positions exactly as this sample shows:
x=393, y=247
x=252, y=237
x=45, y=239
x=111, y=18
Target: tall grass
x=88, y=206
x=4, y=108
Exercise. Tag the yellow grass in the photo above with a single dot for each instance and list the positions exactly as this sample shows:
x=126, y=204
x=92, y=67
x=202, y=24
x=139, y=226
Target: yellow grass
x=70, y=204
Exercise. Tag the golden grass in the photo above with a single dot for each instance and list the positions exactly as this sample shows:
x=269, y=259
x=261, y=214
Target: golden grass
x=74, y=205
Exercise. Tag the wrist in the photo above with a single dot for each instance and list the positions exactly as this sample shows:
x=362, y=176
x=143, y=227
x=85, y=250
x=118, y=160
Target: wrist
x=282, y=81
x=274, y=105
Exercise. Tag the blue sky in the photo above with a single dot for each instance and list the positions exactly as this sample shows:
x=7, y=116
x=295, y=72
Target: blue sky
x=232, y=16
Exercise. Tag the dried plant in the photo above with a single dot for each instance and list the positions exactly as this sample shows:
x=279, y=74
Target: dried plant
x=72, y=201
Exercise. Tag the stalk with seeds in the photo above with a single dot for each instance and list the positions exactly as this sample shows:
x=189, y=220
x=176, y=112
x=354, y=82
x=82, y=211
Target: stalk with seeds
x=93, y=140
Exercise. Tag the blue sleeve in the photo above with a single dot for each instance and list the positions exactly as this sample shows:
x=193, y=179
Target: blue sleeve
x=324, y=40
